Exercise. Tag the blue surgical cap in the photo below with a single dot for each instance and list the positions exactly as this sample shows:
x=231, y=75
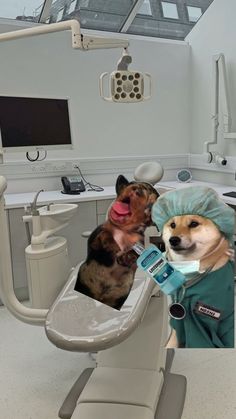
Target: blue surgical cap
x=196, y=200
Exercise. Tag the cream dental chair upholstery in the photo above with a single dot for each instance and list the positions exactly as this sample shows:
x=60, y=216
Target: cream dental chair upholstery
x=131, y=365
x=132, y=379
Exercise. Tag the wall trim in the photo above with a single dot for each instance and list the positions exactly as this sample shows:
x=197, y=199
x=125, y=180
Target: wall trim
x=89, y=166
x=109, y=165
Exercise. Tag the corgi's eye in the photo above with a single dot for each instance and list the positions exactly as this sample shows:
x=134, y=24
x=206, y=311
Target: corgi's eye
x=173, y=225
x=193, y=224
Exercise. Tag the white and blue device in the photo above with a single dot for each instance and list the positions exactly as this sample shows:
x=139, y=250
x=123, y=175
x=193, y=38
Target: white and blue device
x=152, y=261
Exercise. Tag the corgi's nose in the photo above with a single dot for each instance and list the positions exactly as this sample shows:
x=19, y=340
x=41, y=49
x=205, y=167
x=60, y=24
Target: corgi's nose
x=174, y=241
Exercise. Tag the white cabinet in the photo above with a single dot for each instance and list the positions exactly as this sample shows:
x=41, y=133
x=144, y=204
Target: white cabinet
x=84, y=219
x=102, y=207
x=89, y=215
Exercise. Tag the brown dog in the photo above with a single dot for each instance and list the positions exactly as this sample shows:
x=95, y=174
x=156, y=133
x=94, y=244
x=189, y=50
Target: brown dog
x=107, y=274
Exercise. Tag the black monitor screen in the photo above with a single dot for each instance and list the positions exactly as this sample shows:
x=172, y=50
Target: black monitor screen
x=32, y=122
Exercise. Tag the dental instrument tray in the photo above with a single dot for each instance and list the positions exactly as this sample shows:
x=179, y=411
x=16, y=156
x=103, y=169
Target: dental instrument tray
x=231, y=194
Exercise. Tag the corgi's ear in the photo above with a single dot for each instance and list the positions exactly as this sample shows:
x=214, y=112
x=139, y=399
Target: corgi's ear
x=121, y=183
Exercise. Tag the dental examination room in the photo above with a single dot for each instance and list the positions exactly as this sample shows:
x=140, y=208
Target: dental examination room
x=117, y=209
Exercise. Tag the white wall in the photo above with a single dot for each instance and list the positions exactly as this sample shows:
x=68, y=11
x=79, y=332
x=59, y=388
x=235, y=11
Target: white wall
x=47, y=66
x=214, y=33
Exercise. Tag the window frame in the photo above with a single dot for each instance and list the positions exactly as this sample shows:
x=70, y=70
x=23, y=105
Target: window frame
x=173, y=19
x=75, y=3
x=145, y=14
x=193, y=7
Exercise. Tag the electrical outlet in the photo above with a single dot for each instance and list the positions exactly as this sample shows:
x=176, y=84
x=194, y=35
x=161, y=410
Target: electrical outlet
x=61, y=167
x=38, y=168
x=58, y=167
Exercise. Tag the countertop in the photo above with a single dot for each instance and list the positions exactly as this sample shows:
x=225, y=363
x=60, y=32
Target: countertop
x=19, y=200
x=220, y=189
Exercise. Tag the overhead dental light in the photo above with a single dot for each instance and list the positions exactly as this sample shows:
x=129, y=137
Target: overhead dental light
x=126, y=86
x=79, y=41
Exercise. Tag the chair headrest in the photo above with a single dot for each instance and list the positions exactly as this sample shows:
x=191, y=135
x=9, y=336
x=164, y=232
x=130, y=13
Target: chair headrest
x=150, y=172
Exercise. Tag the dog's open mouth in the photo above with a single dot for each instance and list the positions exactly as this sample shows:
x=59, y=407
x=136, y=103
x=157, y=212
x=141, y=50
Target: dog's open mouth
x=120, y=210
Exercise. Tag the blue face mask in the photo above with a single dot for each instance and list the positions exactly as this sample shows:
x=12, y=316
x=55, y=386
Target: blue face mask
x=187, y=267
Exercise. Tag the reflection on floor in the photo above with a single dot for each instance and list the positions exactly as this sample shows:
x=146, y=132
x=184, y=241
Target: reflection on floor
x=35, y=376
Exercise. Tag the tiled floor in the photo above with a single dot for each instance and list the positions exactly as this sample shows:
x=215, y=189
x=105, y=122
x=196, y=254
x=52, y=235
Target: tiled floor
x=35, y=376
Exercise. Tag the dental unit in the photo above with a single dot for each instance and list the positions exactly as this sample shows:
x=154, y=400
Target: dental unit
x=219, y=97
x=131, y=342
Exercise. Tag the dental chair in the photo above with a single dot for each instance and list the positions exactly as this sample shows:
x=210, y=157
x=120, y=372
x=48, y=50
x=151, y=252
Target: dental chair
x=132, y=378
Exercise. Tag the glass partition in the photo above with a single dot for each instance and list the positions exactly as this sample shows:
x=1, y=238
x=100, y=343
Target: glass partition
x=158, y=18
x=29, y=10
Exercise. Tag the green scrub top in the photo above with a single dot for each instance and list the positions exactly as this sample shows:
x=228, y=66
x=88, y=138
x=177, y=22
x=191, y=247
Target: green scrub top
x=209, y=305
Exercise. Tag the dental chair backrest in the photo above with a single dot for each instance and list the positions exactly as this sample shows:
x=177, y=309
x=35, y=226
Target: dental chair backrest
x=79, y=323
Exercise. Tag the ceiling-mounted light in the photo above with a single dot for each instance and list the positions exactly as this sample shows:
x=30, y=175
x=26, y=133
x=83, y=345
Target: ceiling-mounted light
x=126, y=86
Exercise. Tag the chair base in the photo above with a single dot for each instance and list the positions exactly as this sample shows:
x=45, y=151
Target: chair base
x=170, y=403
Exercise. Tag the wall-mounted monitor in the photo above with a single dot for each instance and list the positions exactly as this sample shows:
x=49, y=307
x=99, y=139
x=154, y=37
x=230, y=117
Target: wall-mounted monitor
x=28, y=123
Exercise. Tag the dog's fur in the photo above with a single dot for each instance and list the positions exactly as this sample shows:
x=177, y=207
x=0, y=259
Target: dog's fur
x=193, y=237
x=108, y=272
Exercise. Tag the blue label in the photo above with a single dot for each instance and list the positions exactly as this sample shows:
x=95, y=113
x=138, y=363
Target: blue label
x=148, y=259
x=163, y=276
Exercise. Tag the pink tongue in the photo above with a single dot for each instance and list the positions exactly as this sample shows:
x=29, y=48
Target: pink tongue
x=121, y=208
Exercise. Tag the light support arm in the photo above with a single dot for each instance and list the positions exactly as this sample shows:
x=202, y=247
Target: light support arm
x=94, y=42
x=79, y=41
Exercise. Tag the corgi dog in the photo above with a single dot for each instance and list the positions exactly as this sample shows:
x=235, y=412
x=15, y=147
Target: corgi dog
x=194, y=237
x=108, y=272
